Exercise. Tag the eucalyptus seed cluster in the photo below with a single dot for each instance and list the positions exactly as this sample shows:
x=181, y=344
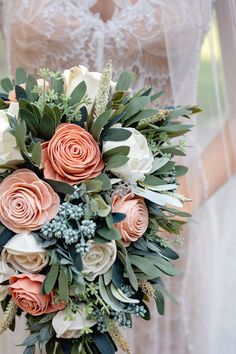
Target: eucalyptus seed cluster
x=67, y=225
x=121, y=319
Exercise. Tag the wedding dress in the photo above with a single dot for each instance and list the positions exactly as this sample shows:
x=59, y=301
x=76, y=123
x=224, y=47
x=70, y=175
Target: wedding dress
x=160, y=41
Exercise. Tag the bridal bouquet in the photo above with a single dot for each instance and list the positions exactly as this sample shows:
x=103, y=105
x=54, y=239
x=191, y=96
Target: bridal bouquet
x=87, y=201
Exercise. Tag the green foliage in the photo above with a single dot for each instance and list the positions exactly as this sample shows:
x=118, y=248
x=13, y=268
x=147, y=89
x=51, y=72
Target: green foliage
x=77, y=95
x=86, y=214
x=117, y=134
x=50, y=279
x=7, y=84
x=124, y=81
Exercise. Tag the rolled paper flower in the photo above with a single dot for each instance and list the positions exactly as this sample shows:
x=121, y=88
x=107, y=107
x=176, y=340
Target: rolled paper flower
x=8, y=146
x=5, y=273
x=71, y=329
x=27, y=294
x=26, y=202
x=99, y=259
x=76, y=75
x=25, y=253
x=72, y=155
x=140, y=156
x=136, y=222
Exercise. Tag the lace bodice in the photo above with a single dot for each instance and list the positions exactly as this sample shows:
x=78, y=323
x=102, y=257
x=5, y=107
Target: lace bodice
x=63, y=33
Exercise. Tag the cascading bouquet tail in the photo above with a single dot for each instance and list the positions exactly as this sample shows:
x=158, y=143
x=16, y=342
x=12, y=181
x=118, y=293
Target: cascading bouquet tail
x=87, y=203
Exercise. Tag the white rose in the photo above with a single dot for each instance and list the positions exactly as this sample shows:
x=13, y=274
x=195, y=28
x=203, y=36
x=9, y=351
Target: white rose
x=140, y=156
x=8, y=148
x=99, y=259
x=25, y=254
x=71, y=329
x=5, y=273
x=77, y=74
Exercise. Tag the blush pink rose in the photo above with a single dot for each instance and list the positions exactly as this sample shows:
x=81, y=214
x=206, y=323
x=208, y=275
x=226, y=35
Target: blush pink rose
x=136, y=222
x=72, y=155
x=26, y=202
x=27, y=294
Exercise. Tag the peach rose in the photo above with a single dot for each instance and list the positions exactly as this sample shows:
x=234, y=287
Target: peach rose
x=72, y=155
x=12, y=93
x=27, y=294
x=136, y=222
x=26, y=202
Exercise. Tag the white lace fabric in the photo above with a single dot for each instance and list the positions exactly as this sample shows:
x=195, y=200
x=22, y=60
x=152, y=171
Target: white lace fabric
x=60, y=34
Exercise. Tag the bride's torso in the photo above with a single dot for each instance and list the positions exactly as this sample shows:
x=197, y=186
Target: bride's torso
x=63, y=33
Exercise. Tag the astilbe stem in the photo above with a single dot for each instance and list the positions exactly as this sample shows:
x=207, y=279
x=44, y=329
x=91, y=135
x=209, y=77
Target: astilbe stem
x=147, y=288
x=119, y=339
x=8, y=316
x=103, y=90
x=161, y=115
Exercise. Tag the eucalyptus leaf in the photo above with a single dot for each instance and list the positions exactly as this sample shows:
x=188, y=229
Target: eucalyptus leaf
x=117, y=134
x=145, y=113
x=117, y=273
x=116, y=161
x=108, y=234
x=31, y=340
x=99, y=123
x=77, y=94
x=20, y=93
x=132, y=277
x=103, y=343
x=158, y=198
x=7, y=84
x=120, y=150
x=46, y=333
x=31, y=83
x=119, y=295
x=29, y=350
x=145, y=265
x=63, y=285
x=118, y=217
x=157, y=95
x=134, y=106
x=108, y=297
x=30, y=120
x=51, y=279
x=20, y=76
x=106, y=183
x=61, y=187
x=3, y=104
x=160, y=302
x=36, y=154
x=158, y=163
x=124, y=81
x=47, y=126
x=181, y=170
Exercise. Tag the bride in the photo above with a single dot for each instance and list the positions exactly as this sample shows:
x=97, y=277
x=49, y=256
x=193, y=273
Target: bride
x=160, y=41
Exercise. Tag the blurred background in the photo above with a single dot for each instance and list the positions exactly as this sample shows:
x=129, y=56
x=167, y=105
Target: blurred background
x=210, y=84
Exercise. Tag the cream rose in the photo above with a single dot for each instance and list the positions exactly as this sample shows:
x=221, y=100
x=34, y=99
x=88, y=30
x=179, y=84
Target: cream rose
x=140, y=156
x=99, y=259
x=77, y=74
x=25, y=253
x=71, y=329
x=5, y=273
x=8, y=147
